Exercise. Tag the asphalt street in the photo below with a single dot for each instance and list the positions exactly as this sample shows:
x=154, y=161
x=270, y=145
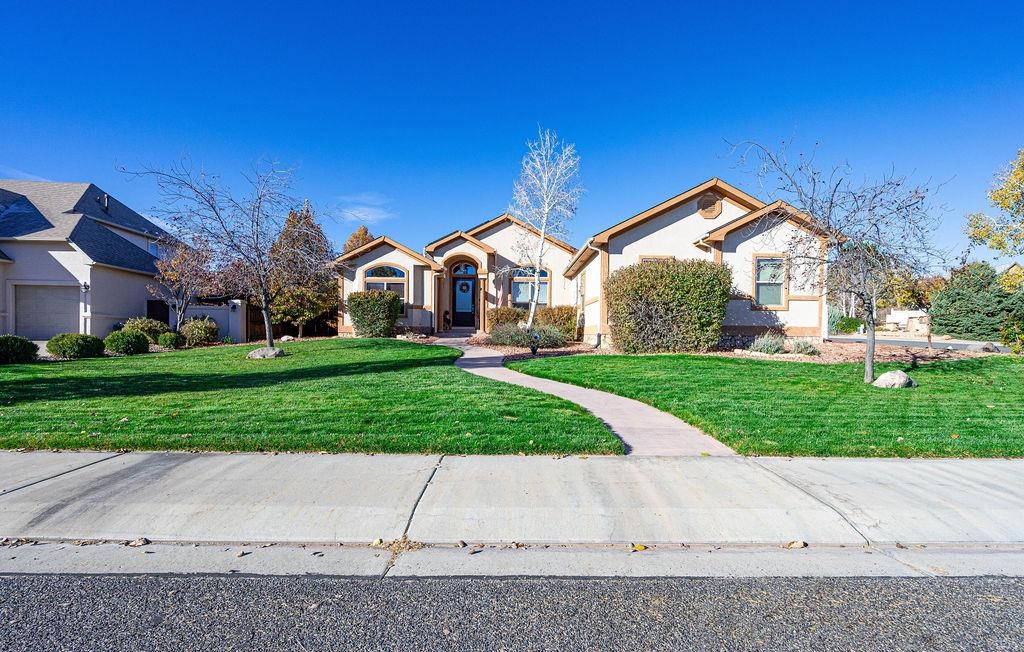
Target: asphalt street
x=174, y=612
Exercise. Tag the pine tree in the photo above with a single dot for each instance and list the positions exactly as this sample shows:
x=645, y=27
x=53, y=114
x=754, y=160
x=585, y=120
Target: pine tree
x=302, y=294
x=358, y=238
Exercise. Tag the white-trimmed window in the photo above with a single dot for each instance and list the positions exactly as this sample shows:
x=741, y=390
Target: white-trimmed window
x=521, y=287
x=769, y=281
x=387, y=277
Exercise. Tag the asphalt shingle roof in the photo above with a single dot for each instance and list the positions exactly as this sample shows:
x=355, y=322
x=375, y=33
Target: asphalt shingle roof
x=76, y=212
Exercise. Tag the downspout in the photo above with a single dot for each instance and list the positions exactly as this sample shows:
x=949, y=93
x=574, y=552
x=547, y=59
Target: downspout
x=579, y=312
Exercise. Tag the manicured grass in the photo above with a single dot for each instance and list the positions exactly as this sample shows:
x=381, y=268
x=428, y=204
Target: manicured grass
x=329, y=395
x=966, y=408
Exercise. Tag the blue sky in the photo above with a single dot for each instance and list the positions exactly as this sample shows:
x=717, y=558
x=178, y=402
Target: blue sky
x=417, y=117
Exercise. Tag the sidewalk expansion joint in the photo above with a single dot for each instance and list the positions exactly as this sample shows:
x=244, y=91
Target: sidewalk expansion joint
x=817, y=499
x=7, y=492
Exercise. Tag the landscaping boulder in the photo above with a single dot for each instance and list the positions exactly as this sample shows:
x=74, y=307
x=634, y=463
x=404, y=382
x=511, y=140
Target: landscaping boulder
x=265, y=352
x=894, y=379
x=286, y=338
x=983, y=347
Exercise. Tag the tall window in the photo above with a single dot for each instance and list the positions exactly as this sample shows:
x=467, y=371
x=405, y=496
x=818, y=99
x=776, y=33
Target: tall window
x=521, y=289
x=387, y=277
x=769, y=278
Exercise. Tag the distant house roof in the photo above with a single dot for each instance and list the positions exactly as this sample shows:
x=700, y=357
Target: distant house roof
x=76, y=213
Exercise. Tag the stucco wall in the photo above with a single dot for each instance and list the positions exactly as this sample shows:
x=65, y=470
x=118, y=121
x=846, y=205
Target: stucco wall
x=670, y=234
x=115, y=296
x=803, y=308
x=504, y=238
x=420, y=295
x=674, y=234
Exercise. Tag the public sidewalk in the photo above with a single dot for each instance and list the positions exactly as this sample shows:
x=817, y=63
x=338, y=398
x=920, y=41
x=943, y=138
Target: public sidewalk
x=858, y=516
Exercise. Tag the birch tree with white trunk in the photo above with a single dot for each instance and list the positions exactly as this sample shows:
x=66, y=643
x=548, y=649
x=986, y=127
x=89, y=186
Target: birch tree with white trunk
x=544, y=197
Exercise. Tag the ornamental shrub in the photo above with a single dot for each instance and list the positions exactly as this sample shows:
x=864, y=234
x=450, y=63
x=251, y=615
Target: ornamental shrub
x=848, y=325
x=374, y=312
x=199, y=330
x=512, y=335
x=170, y=340
x=75, y=345
x=15, y=349
x=151, y=328
x=974, y=305
x=803, y=347
x=127, y=342
x=564, y=318
x=770, y=343
x=1012, y=335
x=668, y=305
x=506, y=315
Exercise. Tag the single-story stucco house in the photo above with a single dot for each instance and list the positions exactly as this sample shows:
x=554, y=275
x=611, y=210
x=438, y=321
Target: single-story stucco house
x=72, y=259
x=458, y=274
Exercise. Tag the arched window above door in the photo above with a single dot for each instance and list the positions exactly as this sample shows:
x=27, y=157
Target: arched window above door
x=464, y=269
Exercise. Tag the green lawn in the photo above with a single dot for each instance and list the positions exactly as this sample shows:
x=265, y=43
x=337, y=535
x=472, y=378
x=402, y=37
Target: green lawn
x=966, y=408
x=329, y=395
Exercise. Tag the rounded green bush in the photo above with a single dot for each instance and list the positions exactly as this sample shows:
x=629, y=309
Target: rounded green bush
x=668, y=305
x=170, y=340
x=374, y=312
x=564, y=318
x=151, y=328
x=75, y=345
x=127, y=342
x=512, y=335
x=15, y=349
x=848, y=325
x=506, y=315
x=199, y=330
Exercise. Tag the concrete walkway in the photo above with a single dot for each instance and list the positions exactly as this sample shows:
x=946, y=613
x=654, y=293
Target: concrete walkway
x=478, y=515
x=645, y=430
x=527, y=515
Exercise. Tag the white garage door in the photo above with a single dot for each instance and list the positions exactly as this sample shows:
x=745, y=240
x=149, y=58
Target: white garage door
x=42, y=311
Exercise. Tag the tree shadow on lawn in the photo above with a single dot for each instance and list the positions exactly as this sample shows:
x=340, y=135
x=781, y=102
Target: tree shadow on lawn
x=58, y=388
x=961, y=366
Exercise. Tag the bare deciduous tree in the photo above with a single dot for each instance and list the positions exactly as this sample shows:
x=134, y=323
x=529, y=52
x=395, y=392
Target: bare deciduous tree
x=862, y=231
x=544, y=197
x=241, y=229
x=183, y=273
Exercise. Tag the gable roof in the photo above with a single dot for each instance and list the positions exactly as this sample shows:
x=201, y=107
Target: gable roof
x=78, y=213
x=457, y=235
x=505, y=217
x=716, y=185
x=384, y=240
x=793, y=215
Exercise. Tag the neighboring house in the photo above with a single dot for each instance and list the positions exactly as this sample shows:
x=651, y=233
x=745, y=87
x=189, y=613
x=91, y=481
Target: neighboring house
x=73, y=259
x=458, y=273
x=719, y=222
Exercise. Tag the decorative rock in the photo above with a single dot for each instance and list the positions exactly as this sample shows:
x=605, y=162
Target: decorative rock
x=983, y=347
x=265, y=352
x=286, y=338
x=894, y=380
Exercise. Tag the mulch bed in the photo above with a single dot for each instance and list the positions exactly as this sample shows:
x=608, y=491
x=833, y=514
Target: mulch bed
x=831, y=353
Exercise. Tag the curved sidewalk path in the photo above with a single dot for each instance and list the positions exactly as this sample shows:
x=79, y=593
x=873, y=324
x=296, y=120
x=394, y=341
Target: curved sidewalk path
x=645, y=430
